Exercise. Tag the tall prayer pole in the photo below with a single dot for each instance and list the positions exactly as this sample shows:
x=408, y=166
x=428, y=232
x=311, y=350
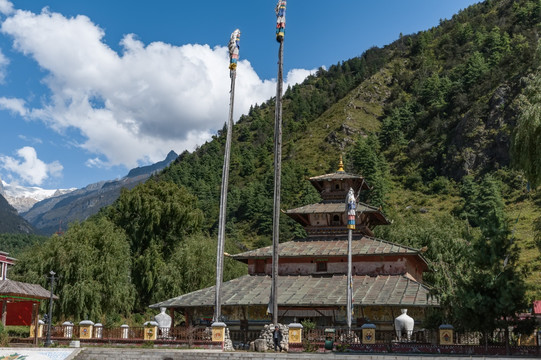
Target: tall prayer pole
x=233, y=58
x=280, y=32
x=350, y=206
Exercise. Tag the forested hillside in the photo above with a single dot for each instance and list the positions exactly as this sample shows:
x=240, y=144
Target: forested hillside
x=428, y=120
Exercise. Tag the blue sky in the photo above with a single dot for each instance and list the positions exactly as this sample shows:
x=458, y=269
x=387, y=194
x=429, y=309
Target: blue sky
x=91, y=89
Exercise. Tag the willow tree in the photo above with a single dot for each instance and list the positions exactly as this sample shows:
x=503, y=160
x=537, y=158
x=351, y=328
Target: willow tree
x=157, y=217
x=93, y=271
x=525, y=148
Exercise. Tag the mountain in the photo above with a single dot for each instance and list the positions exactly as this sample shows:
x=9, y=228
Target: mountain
x=23, y=198
x=55, y=213
x=420, y=116
x=154, y=168
x=10, y=221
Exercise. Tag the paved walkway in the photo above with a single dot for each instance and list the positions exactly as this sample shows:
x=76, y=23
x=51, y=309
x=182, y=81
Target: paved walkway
x=171, y=354
x=17, y=353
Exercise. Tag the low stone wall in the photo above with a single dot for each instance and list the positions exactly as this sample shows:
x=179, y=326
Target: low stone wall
x=169, y=354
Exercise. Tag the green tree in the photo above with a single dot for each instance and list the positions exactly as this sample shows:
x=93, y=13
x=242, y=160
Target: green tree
x=525, y=148
x=93, y=266
x=156, y=217
x=476, y=67
x=494, y=292
x=371, y=164
x=446, y=240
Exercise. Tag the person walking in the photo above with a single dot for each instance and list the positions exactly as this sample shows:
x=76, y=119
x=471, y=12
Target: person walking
x=277, y=337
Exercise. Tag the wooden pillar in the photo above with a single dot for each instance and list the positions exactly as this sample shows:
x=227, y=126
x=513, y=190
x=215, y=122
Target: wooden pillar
x=35, y=319
x=4, y=311
x=172, y=314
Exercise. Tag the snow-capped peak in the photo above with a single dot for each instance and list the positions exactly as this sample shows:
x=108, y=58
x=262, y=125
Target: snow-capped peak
x=23, y=198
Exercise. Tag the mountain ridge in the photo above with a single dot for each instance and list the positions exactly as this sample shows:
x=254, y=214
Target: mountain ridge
x=55, y=213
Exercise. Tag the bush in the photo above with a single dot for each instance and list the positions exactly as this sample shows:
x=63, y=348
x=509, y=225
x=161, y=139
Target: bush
x=18, y=331
x=441, y=185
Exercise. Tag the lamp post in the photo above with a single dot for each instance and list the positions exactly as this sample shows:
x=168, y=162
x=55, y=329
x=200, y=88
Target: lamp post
x=48, y=340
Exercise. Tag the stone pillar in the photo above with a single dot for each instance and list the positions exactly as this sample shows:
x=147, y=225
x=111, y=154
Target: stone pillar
x=67, y=327
x=98, y=331
x=85, y=329
x=368, y=333
x=218, y=332
x=124, y=330
x=446, y=334
x=295, y=333
x=151, y=330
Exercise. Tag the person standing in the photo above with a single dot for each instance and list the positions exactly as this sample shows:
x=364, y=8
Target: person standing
x=277, y=338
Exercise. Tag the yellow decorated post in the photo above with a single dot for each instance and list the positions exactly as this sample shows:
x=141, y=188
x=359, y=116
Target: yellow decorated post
x=218, y=331
x=446, y=334
x=368, y=332
x=151, y=330
x=85, y=329
x=40, y=329
x=295, y=333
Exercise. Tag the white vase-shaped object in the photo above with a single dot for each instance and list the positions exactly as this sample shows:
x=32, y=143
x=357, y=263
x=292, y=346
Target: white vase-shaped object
x=402, y=323
x=164, y=322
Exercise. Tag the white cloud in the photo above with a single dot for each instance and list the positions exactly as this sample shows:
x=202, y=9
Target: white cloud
x=296, y=76
x=30, y=139
x=137, y=105
x=14, y=105
x=6, y=7
x=4, y=61
x=30, y=169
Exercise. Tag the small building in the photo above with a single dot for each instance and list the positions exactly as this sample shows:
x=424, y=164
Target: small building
x=17, y=299
x=5, y=263
x=313, y=271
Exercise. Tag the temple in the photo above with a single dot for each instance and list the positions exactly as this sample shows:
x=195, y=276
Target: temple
x=312, y=271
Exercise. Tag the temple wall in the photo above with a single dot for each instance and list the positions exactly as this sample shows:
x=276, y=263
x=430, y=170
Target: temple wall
x=374, y=265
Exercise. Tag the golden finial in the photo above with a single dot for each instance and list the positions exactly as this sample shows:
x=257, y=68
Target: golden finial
x=341, y=165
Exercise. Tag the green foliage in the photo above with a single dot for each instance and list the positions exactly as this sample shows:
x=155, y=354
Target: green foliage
x=527, y=137
x=93, y=269
x=15, y=243
x=447, y=241
x=495, y=287
x=369, y=162
x=157, y=218
x=4, y=337
x=308, y=324
x=537, y=232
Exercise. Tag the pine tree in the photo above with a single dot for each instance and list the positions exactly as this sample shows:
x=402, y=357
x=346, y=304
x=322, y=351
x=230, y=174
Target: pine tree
x=493, y=292
x=370, y=163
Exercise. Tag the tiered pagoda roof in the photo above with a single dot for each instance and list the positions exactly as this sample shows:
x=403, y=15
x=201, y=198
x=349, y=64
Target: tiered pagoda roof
x=308, y=248
x=327, y=218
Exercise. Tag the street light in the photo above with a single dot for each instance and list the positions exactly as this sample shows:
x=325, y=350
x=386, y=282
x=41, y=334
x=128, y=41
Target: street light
x=48, y=341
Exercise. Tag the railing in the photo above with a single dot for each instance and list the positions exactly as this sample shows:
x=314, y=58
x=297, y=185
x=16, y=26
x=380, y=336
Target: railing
x=244, y=336
x=342, y=335
x=189, y=335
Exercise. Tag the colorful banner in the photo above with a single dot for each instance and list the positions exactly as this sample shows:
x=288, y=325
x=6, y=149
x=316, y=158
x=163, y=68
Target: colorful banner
x=234, y=49
x=280, y=20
